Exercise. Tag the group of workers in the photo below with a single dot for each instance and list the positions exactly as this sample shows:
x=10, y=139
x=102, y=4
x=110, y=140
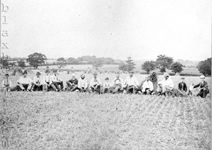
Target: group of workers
x=52, y=81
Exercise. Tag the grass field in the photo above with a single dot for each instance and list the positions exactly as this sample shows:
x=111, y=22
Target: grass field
x=78, y=121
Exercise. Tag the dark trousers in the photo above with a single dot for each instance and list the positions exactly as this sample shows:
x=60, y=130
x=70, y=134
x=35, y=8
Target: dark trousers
x=203, y=93
x=96, y=88
x=25, y=86
x=59, y=85
x=37, y=87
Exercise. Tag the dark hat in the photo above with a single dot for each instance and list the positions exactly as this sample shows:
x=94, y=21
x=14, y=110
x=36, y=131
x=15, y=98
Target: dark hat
x=6, y=74
x=38, y=73
x=47, y=71
x=182, y=77
x=107, y=78
x=55, y=70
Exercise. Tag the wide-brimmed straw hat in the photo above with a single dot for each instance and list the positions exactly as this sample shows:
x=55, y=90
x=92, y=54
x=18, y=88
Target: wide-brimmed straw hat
x=202, y=77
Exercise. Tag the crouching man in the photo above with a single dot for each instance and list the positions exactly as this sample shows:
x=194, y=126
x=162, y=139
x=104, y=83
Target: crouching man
x=131, y=84
x=24, y=82
x=95, y=84
x=56, y=81
x=203, y=87
x=72, y=84
x=117, y=84
x=37, y=82
x=166, y=85
x=147, y=87
x=82, y=84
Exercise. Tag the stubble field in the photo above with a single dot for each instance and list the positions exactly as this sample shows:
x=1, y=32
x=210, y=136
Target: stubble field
x=80, y=121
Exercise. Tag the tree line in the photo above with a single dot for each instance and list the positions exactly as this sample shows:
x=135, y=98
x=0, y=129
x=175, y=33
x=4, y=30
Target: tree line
x=162, y=63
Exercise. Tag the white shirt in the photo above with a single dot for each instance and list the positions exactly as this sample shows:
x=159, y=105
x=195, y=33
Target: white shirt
x=117, y=81
x=82, y=83
x=6, y=82
x=95, y=82
x=26, y=80
x=47, y=78
x=37, y=80
x=147, y=85
x=167, y=83
x=55, y=78
x=131, y=81
x=106, y=84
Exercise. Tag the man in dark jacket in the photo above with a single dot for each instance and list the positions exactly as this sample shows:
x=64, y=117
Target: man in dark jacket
x=182, y=85
x=203, y=87
x=72, y=84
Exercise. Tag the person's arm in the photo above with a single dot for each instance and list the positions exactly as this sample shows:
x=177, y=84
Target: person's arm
x=151, y=86
x=186, y=88
x=86, y=83
x=3, y=84
x=79, y=83
x=91, y=83
x=136, y=82
x=179, y=86
x=195, y=86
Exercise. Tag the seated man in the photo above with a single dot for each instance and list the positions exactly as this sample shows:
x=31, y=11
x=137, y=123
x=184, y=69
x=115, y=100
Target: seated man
x=106, y=86
x=47, y=83
x=131, y=84
x=82, y=84
x=37, y=82
x=6, y=84
x=24, y=82
x=95, y=84
x=72, y=83
x=117, y=84
x=56, y=81
x=166, y=85
x=182, y=87
x=203, y=87
x=147, y=87
x=191, y=89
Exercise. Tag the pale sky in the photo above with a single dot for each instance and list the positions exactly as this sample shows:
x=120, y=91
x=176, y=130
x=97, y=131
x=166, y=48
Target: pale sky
x=141, y=29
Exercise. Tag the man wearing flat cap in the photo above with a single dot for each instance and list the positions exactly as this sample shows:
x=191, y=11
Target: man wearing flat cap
x=57, y=81
x=95, y=84
x=37, y=82
x=24, y=82
x=182, y=87
x=131, y=83
x=72, y=84
x=166, y=85
x=203, y=87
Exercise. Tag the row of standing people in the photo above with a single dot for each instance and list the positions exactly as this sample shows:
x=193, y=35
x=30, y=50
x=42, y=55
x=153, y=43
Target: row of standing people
x=130, y=85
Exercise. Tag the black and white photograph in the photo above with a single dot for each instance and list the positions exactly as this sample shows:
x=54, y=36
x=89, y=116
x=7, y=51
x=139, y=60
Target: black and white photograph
x=105, y=75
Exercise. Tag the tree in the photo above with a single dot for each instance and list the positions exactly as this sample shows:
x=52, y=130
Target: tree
x=72, y=60
x=122, y=67
x=130, y=65
x=61, y=62
x=205, y=67
x=148, y=66
x=177, y=67
x=97, y=63
x=164, y=62
x=36, y=59
x=21, y=63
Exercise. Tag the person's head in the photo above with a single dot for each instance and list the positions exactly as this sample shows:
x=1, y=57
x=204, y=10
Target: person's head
x=107, y=79
x=117, y=75
x=38, y=74
x=25, y=74
x=131, y=73
x=95, y=75
x=55, y=72
x=82, y=76
x=47, y=72
x=182, y=79
x=202, y=77
x=147, y=78
x=73, y=75
x=166, y=75
x=7, y=75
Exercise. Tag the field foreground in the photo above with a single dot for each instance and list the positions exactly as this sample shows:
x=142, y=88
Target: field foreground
x=76, y=121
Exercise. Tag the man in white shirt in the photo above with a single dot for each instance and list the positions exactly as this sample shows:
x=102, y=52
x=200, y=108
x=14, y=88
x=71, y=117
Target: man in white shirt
x=166, y=85
x=37, y=82
x=147, y=86
x=24, y=82
x=95, y=84
x=106, y=86
x=56, y=81
x=131, y=83
x=117, y=84
x=47, y=83
x=82, y=83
